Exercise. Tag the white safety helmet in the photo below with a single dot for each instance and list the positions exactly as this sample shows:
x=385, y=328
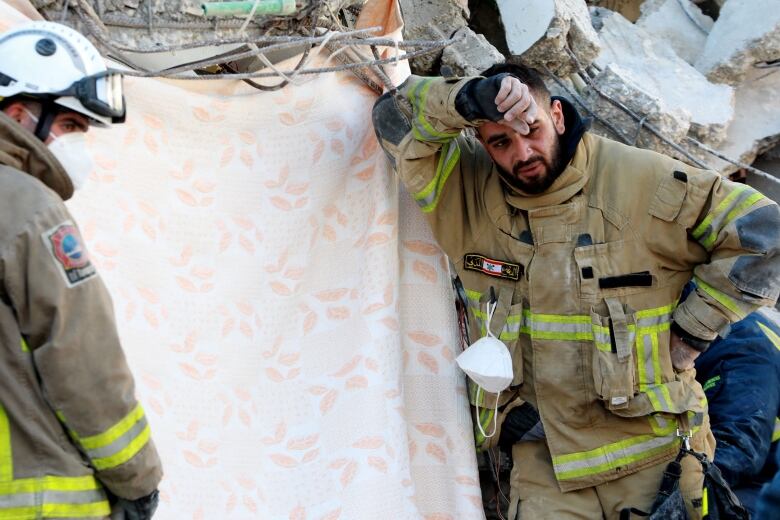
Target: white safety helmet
x=54, y=63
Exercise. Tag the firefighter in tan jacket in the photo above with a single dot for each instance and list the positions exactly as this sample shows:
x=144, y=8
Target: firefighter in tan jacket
x=72, y=433
x=581, y=246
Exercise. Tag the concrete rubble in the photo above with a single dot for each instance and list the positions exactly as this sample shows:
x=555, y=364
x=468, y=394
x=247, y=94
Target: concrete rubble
x=470, y=55
x=431, y=20
x=649, y=65
x=666, y=60
x=617, y=83
x=757, y=129
x=539, y=32
x=679, y=23
x=746, y=33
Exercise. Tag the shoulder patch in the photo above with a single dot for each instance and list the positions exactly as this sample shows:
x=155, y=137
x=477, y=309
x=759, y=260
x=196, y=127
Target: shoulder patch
x=497, y=268
x=66, y=246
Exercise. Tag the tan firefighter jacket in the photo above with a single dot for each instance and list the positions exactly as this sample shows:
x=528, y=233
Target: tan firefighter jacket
x=587, y=275
x=70, y=424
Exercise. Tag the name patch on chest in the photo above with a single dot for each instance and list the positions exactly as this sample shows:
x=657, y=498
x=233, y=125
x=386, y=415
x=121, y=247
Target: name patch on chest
x=497, y=268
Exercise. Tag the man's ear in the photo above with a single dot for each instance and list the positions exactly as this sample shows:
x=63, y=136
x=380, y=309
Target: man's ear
x=15, y=111
x=556, y=113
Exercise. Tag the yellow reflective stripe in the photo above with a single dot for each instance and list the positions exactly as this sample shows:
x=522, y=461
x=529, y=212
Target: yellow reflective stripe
x=776, y=432
x=713, y=236
x=705, y=503
x=89, y=510
x=473, y=295
x=107, y=437
x=448, y=159
x=769, y=333
x=125, y=454
x=701, y=228
x=610, y=456
x=656, y=360
x=659, y=429
x=486, y=420
x=641, y=361
x=6, y=457
x=722, y=298
x=25, y=347
x=423, y=130
x=560, y=318
x=50, y=483
x=657, y=311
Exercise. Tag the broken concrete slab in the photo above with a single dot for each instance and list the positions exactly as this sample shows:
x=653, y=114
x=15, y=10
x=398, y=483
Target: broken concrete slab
x=539, y=32
x=746, y=32
x=431, y=20
x=649, y=62
x=620, y=84
x=756, y=128
x=470, y=55
x=680, y=23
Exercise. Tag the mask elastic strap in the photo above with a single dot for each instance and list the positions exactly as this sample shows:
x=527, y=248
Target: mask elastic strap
x=495, y=415
x=491, y=309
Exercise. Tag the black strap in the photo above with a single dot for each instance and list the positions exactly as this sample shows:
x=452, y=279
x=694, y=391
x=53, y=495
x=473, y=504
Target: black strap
x=48, y=112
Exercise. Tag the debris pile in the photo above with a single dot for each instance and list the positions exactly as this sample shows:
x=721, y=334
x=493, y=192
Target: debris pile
x=696, y=79
x=680, y=77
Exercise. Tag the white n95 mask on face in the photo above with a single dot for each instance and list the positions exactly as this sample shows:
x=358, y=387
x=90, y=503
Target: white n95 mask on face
x=71, y=151
x=489, y=364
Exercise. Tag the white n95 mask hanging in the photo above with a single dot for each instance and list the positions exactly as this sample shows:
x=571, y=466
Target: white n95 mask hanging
x=489, y=364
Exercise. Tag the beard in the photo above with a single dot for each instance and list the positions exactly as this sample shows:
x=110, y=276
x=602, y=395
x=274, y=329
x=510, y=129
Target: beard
x=552, y=170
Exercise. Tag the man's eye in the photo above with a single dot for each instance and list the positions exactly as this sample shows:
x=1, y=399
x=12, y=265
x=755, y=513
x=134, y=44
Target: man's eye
x=499, y=144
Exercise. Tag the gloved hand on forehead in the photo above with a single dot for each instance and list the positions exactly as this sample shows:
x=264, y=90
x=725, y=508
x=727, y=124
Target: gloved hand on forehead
x=501, y=98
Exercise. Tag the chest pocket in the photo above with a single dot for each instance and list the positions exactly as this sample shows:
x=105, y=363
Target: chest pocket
x=613, y=269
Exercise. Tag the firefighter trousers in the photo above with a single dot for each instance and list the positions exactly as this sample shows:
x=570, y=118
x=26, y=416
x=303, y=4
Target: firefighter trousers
x=533, y=485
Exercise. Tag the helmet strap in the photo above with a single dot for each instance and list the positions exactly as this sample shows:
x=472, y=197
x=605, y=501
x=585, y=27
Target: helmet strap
x=48, y=113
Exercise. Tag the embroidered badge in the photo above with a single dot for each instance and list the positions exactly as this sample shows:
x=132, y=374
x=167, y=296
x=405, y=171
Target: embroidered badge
x=475, y=262
x=66, y=246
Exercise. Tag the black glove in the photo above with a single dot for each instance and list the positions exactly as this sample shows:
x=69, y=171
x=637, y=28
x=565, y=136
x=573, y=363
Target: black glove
x=477, y=99
x=139, y=509
x=521, y=424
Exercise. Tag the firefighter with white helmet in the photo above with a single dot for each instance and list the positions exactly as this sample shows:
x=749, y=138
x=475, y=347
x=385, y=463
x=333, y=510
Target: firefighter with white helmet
x=74, y=441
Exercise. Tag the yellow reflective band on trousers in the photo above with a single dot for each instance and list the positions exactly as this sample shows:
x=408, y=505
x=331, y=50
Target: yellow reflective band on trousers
x=776, y=432
x=724, y=299
x=53, y=497
x=705, y=503
x=119, y=443
x=449, y=156
x=422, y=129
x=6, y=458
x=611, y=456
x=733, y=206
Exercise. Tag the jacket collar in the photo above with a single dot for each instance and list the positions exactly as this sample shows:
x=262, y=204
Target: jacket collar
x=21, y=150
x=572, y=179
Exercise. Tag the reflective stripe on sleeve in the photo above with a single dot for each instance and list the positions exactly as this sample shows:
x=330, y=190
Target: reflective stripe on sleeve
x=119, y=443
x=6, y=457
x=776, y=432
x=422, y=129
x=53, y=497
x=770, y=334
x=730, y=208
x=428, y=198
x=611, y=456
x=737, y=307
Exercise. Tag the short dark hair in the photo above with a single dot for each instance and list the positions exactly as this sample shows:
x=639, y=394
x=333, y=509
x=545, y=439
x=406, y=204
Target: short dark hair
x=527, y=75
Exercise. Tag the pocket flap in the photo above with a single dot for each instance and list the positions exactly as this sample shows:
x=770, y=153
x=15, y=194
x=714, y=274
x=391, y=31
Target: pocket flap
x=669, y=198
